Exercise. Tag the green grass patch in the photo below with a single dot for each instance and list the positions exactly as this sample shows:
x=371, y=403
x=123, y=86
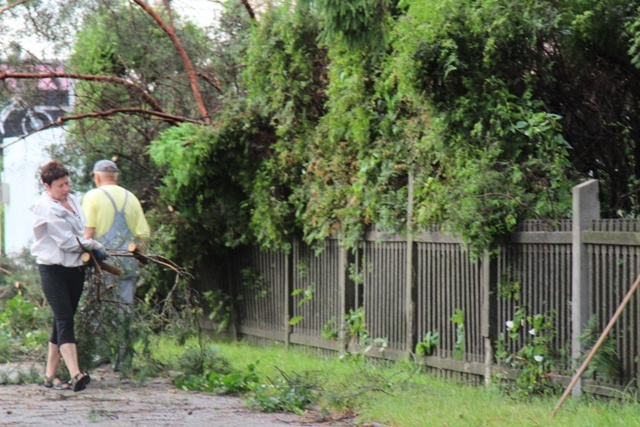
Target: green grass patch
x=395, y=394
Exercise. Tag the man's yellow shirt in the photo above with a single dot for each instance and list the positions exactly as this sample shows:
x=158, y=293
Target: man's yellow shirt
x=100, y=213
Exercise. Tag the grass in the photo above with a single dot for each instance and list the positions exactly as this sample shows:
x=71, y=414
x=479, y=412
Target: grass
x=400, y=394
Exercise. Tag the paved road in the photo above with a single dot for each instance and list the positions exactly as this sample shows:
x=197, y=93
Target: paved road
x=109, y=401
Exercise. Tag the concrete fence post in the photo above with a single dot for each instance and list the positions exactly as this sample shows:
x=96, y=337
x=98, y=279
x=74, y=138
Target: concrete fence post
x=410, y=284
x=489, y=319
x=586, y=207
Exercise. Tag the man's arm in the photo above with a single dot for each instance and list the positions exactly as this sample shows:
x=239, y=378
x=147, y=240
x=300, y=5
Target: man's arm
x=138, y=223
x=89, y=210
x=142, y=243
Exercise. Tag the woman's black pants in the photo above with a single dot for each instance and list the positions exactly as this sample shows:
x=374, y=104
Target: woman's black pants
x=62, y=287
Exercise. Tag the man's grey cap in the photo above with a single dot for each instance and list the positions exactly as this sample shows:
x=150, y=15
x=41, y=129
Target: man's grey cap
x=105, y=166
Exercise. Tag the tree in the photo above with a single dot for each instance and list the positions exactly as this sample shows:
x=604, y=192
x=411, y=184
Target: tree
x=148, y=91
x=120, y=76
x=327, y=109
x=463, y=93
x=496, y=152
x=520, y=109
x=130, y=89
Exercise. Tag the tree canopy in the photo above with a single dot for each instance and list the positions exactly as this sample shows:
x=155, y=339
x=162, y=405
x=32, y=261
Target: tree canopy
x=319, y=114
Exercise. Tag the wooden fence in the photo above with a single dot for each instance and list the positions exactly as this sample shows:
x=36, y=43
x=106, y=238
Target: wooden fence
x=407, y=287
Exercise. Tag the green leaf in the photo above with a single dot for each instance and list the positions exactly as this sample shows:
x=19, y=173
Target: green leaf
x=295, y=320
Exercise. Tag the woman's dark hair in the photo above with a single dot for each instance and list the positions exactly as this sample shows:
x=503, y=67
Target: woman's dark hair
x=52, y=171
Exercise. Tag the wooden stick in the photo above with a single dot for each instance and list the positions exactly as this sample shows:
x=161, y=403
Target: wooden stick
x=597, y=345
x=137, y=253
x=5, y=271
x=109, y=268
x=86, y=258
x=134, y=251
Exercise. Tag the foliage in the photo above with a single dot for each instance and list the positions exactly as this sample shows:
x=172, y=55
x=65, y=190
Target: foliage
x=287, y=393
x=605, y=363
x=255, y=281
x=492, y=110
x=465, y=132
x=305, y=293
x=20, y=376
x=158, y=93
x=509, y=287
x=356, y=329
x=459, y=346
x=496, y=153
x=5, y=348
x=113, y=332
x=19, y=314
x=220, y=309
x=330, y=330
x=25, y=323
x=536, y=360
x=207, y=370
x=326, y=174
x=209, y=173
x=633, y=30
x=104, y=47
x=360, y=23
x=22, y=327
x=203, y=368
x=286, y=80
x=327, y=110
x=356, y=333
x=108, y=330
x=428, y=345
x=337, y=151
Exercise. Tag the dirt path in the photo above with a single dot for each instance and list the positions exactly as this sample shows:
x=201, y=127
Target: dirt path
x=109, y=401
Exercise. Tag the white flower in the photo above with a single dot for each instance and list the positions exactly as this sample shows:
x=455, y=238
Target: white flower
x=509, y=324
x=538, y=358
x=532, y=331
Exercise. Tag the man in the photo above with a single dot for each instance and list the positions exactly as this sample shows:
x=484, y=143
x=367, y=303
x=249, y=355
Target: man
x=115, y=219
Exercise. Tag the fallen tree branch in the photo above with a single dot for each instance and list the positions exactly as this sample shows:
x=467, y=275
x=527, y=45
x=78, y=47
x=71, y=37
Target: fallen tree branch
x=146, y=96
x=186, y=61
x=103, y=114
x=249, y=9
x=11, y=6
x=89, y=257
x=134, y=251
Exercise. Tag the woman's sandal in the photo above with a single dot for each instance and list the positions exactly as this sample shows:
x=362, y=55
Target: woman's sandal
x=56, y=383
x=80, y=381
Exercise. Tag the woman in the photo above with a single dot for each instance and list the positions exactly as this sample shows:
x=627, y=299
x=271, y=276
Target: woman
x=58, y=228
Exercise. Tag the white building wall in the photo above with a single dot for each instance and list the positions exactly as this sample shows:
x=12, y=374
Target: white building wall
x=22, y=161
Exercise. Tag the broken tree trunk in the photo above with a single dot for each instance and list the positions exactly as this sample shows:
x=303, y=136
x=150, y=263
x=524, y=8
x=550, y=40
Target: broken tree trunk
x=137, y=253
x=109, y=268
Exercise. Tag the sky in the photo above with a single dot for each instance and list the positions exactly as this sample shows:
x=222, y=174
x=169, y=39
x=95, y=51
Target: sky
x=200, y=11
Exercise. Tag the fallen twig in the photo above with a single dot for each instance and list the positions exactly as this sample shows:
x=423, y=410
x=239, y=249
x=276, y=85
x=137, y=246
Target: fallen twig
x=100, y=265
x=109, y=268
x=134, y=251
